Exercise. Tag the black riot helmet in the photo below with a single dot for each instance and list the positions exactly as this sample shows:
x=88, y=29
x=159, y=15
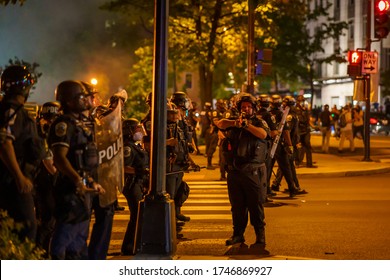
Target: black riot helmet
x=50, y=110
x=17, y=80
x=179, y=98
x=68, y=91
x=276, y=100
x=246, y=97
x=90, y=88
x=264, y=100
x=289, y=100
x=129, y=126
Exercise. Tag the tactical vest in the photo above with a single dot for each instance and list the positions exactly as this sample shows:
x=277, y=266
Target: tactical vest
x=242, y=148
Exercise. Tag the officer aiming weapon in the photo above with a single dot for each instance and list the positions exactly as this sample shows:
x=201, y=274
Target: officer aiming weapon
x=280, y=129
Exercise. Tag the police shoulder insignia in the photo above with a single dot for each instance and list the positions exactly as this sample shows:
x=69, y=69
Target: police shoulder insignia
x=60, y=129
x=126, y=151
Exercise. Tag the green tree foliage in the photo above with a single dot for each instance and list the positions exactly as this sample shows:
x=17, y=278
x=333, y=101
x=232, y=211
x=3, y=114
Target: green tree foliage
x=298, y=54
x=11, y=247
x=140, y=83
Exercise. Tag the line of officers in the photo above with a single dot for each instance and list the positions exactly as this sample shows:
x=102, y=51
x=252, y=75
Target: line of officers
x=49, y=181
x=60, y=157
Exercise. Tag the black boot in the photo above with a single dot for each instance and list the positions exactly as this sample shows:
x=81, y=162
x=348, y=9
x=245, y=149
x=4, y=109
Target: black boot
x=235, y=239
x=209, y=164
x=260, y=237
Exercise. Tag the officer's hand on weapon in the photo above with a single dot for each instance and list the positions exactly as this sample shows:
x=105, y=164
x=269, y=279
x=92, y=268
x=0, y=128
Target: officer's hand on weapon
x=24, y=184
x=81, y=188
x=274, y=133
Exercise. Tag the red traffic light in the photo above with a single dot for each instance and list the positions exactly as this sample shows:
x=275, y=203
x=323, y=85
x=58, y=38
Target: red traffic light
x=355, y=57
x=382, y=6
x=381, y=18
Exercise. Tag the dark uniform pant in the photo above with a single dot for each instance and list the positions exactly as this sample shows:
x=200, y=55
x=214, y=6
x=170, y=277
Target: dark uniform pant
x=101, y=230
x=245, y=194
x=133, y=194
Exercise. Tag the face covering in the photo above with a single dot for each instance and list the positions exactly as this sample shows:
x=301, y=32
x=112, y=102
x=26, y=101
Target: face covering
x=138, y=136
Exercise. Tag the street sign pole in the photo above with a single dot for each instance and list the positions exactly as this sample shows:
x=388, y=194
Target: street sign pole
x=367, y=89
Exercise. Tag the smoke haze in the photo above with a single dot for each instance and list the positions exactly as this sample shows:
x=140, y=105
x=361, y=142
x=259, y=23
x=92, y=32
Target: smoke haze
x=67, y=39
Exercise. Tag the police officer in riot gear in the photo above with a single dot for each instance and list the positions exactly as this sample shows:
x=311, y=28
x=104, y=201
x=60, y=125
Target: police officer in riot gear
x=136, y=162
x=246, y=151
x=285, y=149
x=21, y=150
x=303, y=114
x=292, y=122
x=44, y=182
x=263, y=103
x=178, y=154
x=71, y=139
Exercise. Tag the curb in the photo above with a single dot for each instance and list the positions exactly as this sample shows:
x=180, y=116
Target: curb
x=345, y=173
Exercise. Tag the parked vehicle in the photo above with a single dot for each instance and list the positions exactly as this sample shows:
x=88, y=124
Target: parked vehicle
x=379, y=123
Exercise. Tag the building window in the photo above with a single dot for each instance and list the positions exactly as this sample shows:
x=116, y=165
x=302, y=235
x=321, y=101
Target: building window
x=351, y=9
x=336, y=10
x=351, y=35
x=188, y=80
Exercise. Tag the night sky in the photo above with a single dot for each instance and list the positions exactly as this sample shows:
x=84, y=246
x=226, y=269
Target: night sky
x=49, y=33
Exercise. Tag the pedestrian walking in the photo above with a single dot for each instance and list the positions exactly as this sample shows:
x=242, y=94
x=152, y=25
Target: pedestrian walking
x=346, y=132
x=325, y=119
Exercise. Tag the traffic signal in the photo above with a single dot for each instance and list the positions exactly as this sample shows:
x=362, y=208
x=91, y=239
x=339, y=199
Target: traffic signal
x=381, y=18
x=355, y=59
x=263, y=65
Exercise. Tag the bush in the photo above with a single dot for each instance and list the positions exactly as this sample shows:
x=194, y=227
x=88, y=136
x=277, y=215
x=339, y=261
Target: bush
x=11, y=247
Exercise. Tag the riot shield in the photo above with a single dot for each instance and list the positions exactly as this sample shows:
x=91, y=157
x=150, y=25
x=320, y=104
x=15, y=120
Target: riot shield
x=110, y=147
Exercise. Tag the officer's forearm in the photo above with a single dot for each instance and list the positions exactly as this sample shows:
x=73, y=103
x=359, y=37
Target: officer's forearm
x=8, y=157
x=225, y=123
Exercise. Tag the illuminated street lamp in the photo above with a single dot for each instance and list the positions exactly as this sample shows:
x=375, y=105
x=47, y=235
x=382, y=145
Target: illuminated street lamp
x=94, y=81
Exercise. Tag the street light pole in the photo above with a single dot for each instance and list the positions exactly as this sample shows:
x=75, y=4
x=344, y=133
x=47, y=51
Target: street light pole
x=156, y=223
x=367, y=96
x=251, y=47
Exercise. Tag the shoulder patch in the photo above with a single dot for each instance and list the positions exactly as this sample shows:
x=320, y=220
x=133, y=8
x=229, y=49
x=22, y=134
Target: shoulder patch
x=126, y=151
x=61, y=129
